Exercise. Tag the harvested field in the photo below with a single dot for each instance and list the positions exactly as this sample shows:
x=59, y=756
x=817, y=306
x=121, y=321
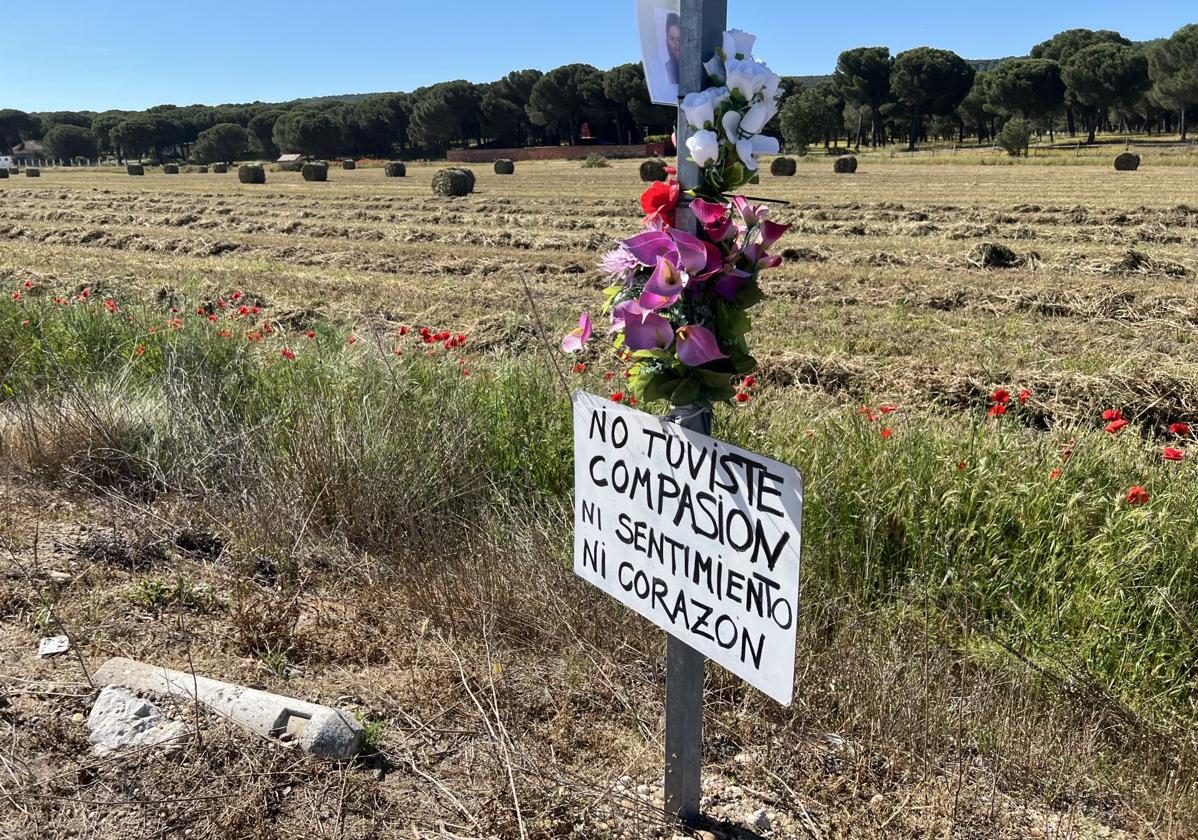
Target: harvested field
x=989, y=647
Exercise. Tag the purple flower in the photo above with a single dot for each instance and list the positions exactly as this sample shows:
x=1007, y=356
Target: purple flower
x=771, y=232
x=577, y=338
x=649, y=331
x=664, y=287
x=619, y=263
x=697, y=346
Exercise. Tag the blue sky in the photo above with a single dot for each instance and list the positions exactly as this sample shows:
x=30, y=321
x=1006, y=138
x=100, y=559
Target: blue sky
x=97, y=56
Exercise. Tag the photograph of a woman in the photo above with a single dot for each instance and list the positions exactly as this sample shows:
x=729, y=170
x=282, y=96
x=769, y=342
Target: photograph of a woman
x=661, y=47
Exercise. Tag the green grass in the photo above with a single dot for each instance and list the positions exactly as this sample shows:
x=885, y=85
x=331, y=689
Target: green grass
x=408, y=458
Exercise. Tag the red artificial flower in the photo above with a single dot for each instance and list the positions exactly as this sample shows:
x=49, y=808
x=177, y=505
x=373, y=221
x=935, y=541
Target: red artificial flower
x=660, y=200
x=1112, y=414
x=1174, y=454
x=288, y=354
x=1024, y=396
x=1000, y=396
x=887, y=434
x=1055, y=474
x=618, y=396
x=1115, y=427
x=1137, y=495
x=1179, y=429
x=580, y=368
x=998, y=410
x=742, y=397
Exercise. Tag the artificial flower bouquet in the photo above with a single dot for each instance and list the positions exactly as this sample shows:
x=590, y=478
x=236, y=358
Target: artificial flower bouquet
x=679, y=303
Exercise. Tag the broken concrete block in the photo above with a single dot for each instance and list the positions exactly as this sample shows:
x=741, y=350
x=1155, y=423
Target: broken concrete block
x=120, y=719
x=321, y=731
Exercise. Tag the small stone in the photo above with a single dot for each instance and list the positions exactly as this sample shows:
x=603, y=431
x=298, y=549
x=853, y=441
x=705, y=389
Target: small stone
x=876, y=801
x=626, y=780
x=78, y=717
x=380, y=774
x=760, y=820
x=643, y=790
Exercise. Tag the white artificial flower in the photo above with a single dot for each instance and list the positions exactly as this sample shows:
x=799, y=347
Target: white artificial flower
x=715, y=68
x=748, y=146
x=704, y=147
x=752, y=77
x=760, y=114
x=738, y=44
x=700, y=107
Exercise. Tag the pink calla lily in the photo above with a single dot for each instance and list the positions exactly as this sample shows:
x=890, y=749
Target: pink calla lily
x=730, y=282
x=771, y=232
x=648, y=332
x=697, y=346
x=648, y=247
x=708, y=212
x=577, y=338
x=664, y=287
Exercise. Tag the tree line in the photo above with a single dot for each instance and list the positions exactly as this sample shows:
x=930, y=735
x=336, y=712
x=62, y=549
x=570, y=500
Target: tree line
x=1079, y=80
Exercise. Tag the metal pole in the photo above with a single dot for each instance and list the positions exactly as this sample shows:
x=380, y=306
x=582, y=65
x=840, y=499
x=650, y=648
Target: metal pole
x=703, y=24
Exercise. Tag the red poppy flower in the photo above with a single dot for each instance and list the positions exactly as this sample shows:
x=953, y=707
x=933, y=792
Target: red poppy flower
x=225, y=334
x=404, y=330
x=998, y=410
x=742, y=397
x=887, y=434
x=16, y=295
x=310, y=334
x=85, y=294
x=28, y=284
x=1112, y=414
x=1174, y=454
x=212, y=318
x=1024, y=396
x=889, y=408
x=465, y=372
x=236, y=296
x=618, y=396
x=1115, y=427
x=632, y=400
x=749, y=381
x=288, y=354
x=139, y=350
x=1180, y=429
x=580, y=368
x=1000, y=396
x=1055, y=474
x=961, y=466
x=607, y=377
x=353, y=339
x=398, y=351
x=1137, y=495
x=660, y=200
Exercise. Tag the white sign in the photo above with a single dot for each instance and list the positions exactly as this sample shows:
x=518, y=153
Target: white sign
x=660, y=23
x=698, y=536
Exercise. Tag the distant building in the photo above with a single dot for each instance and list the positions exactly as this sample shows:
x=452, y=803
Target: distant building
x=28, y=153
x=290, y=163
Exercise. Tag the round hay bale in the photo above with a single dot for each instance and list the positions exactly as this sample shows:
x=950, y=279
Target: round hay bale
x=451, y=182
x=315, y=172
x=993, y=255
x=503, y=166
x=135, y=169
x=784, y=167
x=846, y=165
x=251, y=173
x=469, y=173
x=349, y=164
x=32, y=172
x=654, y=170
x=395, y=169
x=202, y=170
x=170, y=169
x=3, y=172
x=1127, y=162
x=220, y=168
